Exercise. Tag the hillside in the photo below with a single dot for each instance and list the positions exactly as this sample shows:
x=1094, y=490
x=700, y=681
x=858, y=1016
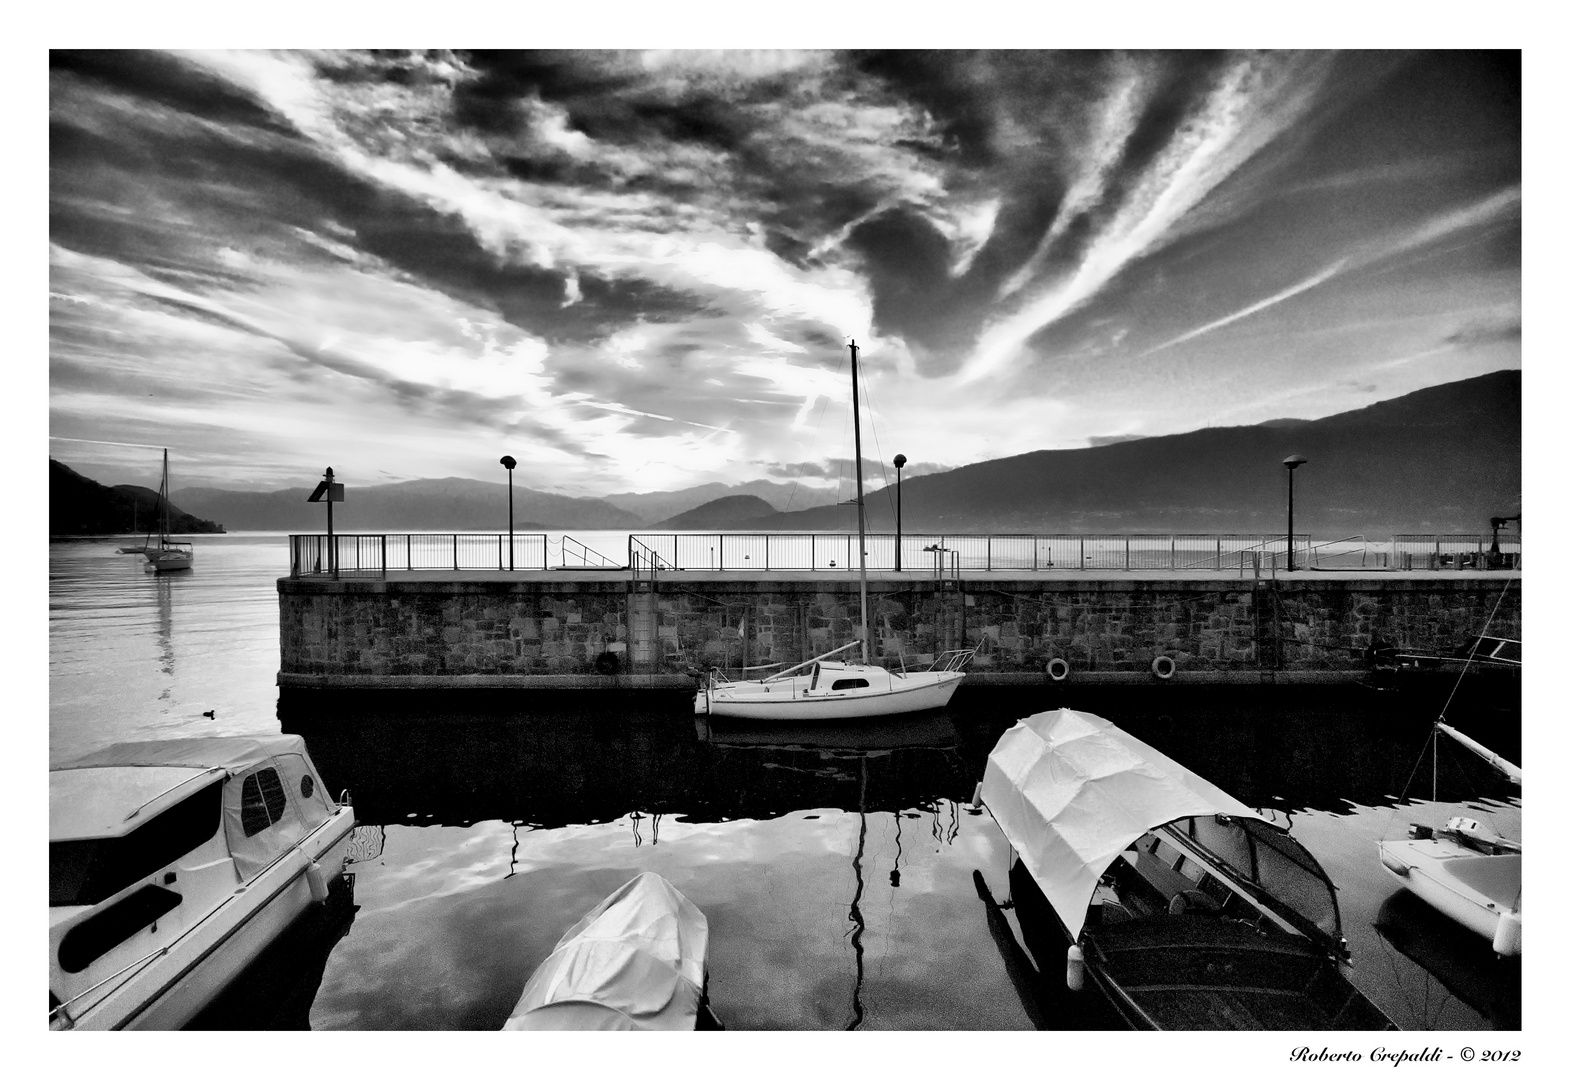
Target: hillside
x=82, y=507
x=448, y=505
x=1443, y=459
x=725, y=513
x=659, y=505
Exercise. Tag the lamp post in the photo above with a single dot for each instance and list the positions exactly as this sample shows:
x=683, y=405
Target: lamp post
x=900, y=463
x=508, y=463
x=1292, y=463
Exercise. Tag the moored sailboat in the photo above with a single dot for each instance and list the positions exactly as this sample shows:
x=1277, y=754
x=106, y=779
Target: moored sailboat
x=825, y=689
x=168, y=555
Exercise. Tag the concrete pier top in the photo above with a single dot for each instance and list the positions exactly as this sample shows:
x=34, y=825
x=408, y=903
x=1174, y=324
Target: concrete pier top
x=837, y=578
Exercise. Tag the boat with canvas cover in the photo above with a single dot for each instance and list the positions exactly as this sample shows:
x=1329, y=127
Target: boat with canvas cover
x=172, y=864
x=636, y=962
x=1463, y=868
x=824, y=689
x=1187, y=909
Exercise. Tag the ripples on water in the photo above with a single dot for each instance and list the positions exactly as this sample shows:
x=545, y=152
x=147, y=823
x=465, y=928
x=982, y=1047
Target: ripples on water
x=834, y=865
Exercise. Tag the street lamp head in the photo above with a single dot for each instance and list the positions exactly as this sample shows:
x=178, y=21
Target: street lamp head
x=1294, y=462
x=900, y=461
x=508, y=462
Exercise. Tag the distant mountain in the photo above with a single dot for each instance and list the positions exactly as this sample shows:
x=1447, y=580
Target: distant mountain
x=82, y=507
x=448, y=505
x=731, y=512
x=1444, y=459
x=657, y=505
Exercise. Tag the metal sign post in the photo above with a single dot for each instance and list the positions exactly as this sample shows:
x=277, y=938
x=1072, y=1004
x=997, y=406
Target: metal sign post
x=329, y=492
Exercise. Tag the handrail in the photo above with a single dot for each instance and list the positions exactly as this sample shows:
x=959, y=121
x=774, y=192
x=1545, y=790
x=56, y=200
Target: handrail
x=946, y=555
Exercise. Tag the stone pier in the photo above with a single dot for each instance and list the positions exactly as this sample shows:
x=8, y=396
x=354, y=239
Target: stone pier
x=605, y=629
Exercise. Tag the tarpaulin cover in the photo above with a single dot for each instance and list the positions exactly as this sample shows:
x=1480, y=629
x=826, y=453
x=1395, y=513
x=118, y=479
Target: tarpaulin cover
x=634, y=963
x=230, y=752
x=287, y=816
x=1071, y=791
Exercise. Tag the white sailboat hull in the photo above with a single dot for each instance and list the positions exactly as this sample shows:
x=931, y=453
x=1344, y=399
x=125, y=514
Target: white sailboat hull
x=794, y=700
x=160, y=560
x=1473, y=888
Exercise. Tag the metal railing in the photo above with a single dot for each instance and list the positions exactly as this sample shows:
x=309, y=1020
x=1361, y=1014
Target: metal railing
x=942, y=555
x=950, y=553
x=373, y=554
x=1456, y=551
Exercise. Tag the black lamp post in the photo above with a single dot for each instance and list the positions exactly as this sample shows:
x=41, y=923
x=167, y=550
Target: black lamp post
x=508, y=463
x=1292, y=463
x=900, y=463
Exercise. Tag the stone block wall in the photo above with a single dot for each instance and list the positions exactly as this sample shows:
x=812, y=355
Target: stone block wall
x=593, y=628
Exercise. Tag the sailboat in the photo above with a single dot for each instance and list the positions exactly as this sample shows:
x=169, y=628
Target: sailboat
x=826, y=689
x=168, y=555
x=1462, y=868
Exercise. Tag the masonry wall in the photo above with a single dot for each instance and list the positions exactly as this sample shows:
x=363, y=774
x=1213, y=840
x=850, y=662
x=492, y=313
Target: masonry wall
x=608, y=630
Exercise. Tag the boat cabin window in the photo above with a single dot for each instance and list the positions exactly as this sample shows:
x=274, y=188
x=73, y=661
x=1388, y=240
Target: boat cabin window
x=848, y=684
x=87, y=871
x=262, y=801
x=1274, y=861
x=103, y=930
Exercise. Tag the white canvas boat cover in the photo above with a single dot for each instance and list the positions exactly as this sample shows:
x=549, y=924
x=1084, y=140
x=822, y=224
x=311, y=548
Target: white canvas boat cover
x=231, y=752
x=1071, y=791
x=267, y=806
x=634, y=963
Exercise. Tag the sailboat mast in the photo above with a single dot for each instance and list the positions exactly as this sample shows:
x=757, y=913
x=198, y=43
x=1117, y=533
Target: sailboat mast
x=163, y=498
x=861, y=519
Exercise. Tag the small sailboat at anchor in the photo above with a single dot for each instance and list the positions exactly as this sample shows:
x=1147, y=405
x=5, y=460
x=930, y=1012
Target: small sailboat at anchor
x=826, y=689
x=168, y=554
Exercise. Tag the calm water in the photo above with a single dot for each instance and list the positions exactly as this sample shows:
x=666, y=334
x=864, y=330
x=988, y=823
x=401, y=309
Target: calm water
x=835, y=866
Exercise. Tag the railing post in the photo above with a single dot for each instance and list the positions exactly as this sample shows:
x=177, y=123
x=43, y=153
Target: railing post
x=722, y=551
x=1126, y=552
x=766, y=551
x=1082, y=551
x=812, y=551
x=455, y=551
x=384, y=556
x=990, y=552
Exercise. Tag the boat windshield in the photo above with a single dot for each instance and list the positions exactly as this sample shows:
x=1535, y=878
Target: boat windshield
x=85, y=872
x=1286, y=877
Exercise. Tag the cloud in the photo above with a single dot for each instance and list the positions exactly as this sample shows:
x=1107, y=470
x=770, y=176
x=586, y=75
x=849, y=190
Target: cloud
x=1286, y=294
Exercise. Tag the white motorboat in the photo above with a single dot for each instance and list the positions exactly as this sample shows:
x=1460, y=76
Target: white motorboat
x=636, y=962
x=1186, y=908
x=821, y=689
x=1462, y=868
x=172, y=864
x=168, y=554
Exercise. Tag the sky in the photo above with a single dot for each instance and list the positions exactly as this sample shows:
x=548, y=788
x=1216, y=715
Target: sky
x=638, y=271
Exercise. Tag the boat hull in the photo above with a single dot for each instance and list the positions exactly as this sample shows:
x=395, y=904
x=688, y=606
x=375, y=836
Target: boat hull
x=159, y=562
x=914, y=693
x=172, y=988
x=1197, y=972
x=1474, y=889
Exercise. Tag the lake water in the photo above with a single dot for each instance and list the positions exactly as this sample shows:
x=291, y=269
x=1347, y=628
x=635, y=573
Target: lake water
x=834, y=866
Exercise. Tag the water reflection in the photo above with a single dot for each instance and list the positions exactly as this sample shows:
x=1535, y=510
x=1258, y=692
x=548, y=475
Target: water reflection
x=818, y=753
x=835, y=863
x=1453, y=968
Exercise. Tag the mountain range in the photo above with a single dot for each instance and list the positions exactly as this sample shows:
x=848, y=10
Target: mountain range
x=1443, y=459
x=82, y=507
